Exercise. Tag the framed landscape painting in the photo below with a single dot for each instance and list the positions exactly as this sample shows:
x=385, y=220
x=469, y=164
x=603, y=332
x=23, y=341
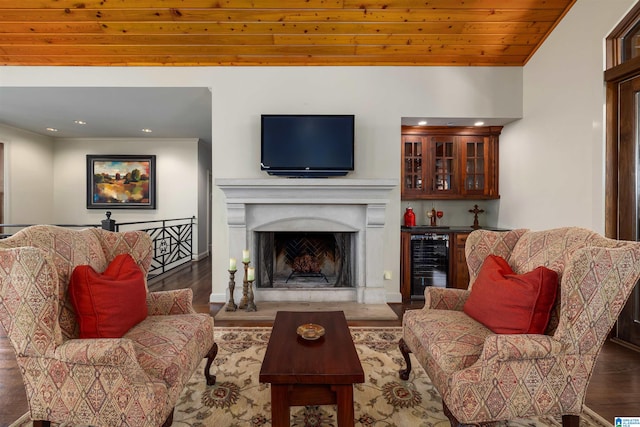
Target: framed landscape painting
x=121, y=182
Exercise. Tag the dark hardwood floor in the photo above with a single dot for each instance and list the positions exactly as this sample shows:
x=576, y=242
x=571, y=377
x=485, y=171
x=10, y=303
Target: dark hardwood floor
x=614, y=389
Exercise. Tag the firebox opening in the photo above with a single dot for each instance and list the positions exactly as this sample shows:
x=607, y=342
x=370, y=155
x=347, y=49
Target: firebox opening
x=304, y=260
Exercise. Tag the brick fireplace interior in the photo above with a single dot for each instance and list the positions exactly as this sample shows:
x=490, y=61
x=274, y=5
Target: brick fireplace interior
x=305, y=260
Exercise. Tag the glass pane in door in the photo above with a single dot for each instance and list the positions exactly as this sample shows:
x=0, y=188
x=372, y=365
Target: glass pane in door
x=413, y=165
x=443, y=166
x=474, y=166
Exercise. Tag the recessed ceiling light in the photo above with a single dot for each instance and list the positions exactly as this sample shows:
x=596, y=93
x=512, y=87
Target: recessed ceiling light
x=422, y=122
x=52, y=129
x=478, y=123
x=80, y=122
x=146, y=130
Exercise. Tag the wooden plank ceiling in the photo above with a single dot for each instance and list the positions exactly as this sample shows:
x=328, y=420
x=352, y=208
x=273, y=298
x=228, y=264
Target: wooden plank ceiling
x=275, y=32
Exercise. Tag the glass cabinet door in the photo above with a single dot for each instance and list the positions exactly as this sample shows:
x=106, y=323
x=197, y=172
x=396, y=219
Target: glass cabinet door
x=443, y=164
x=413, y=172
x=474, y=165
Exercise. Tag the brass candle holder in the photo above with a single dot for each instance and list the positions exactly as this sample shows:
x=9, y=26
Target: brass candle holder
x=245, y=287
x=231, y=305
x=251, y=306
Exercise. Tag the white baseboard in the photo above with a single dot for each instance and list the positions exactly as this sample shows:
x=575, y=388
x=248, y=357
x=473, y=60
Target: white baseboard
x=394, y=297
x=202, y=255
x=218, y=297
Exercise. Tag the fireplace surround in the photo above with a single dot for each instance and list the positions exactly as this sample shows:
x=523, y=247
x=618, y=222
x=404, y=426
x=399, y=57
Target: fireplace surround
x=351, y=206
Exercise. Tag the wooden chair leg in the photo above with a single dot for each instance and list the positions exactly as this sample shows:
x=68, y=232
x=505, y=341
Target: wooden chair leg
x=452, y=419
x=404, y=349
x=169, y=420
x=213, y=352
x=455, y=423
x=571, y=421
x=567, y=420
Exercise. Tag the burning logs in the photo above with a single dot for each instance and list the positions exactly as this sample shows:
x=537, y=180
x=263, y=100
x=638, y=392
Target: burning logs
x=306, y=264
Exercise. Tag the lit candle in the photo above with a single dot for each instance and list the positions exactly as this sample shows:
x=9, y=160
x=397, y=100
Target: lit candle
x=232, y=264
x=245, y=255
x=251, y=274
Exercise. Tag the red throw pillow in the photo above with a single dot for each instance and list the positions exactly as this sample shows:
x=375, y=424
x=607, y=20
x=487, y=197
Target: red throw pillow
x=109, y=304
x=509, y=303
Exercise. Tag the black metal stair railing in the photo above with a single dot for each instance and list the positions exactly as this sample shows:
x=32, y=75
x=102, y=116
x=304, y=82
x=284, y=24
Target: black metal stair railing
x=172, y=242
x=172, y=239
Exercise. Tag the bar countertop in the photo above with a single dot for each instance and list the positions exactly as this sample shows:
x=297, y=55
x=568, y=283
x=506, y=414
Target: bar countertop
x=446, y=229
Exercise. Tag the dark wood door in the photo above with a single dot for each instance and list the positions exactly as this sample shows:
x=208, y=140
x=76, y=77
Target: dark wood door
x=405, y=266
x=628, y=328
x=459, y=269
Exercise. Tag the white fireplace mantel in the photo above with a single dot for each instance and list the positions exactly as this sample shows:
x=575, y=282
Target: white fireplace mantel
x=311, y=191
x=332, y=204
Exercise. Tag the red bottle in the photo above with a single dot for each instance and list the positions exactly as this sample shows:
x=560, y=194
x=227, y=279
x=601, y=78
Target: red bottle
x=409, y=218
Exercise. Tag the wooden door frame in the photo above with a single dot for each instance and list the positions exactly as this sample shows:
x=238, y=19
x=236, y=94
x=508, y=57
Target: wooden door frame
x=618, y=70
x=621, y=70
x=614, y=77
x=627, y=73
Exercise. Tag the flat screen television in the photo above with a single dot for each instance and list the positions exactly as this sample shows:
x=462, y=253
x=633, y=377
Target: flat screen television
x=307, y=145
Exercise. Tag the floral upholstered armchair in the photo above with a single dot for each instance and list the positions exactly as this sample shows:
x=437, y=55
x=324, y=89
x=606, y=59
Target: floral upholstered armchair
x=484, y=376
x=132, y=380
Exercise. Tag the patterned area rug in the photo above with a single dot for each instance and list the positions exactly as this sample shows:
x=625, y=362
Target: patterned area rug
x=238, y=399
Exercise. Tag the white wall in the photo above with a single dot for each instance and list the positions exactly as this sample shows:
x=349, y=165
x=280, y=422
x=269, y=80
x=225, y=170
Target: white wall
x=378, y=96
x=176, y=179
x=204, y=199
x=45, y=179
x=29, y=190
x=552, y=161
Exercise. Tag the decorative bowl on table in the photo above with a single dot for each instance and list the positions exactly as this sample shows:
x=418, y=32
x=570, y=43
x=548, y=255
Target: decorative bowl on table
x=310, y=331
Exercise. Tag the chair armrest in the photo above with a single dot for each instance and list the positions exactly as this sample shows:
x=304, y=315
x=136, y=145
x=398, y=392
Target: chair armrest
x=97, y=352
x=503, y=368
x=502, y=348
x=445, y=298
x=106, y=366
x=29, y=305
x=177, y=301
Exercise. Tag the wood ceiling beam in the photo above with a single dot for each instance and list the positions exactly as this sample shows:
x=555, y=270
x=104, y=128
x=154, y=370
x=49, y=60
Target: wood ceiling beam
x=162, y=60
x=280, y=15
x=266, y=39
x=324, y=50
x=283, y=4
x=496, y=28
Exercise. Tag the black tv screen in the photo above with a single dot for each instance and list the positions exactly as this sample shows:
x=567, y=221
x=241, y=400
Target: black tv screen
x=307, y=145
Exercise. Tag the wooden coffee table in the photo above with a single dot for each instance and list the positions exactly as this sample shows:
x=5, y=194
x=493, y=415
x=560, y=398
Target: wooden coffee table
x=320, y=372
